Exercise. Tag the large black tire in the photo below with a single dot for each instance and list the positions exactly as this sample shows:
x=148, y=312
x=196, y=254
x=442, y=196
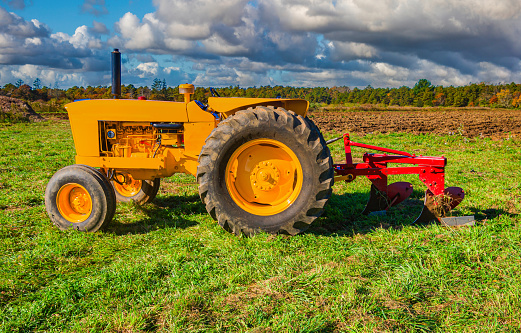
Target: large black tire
x=97, y=199
x=292, y=131
x=127, y=189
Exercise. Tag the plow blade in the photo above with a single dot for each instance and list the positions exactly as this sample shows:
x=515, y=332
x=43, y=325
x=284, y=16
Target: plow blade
x=396, y=193
x=430, y=169
x=436, y=207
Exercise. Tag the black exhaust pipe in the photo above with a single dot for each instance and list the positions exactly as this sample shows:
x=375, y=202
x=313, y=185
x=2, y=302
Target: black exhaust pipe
x=116, y=73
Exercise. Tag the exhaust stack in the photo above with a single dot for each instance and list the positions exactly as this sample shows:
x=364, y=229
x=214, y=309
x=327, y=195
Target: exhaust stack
x=116, y=73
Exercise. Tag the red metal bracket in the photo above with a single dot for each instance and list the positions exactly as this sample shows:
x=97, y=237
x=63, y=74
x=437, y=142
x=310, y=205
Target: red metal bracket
x=430, y=169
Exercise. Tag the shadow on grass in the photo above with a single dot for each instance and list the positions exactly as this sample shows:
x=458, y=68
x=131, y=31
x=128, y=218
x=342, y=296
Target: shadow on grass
x=164, y=212
x=491, y=213
x=343, y=215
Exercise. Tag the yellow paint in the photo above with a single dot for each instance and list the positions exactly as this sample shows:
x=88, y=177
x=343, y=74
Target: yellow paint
x=264, y=177
x=196, y=114
x=84, y=117
x=195, y=135
x=230, y=105
x=186, y=90
x=74, y=202
x=347, y=178
x=134, y=148
x=126, y=185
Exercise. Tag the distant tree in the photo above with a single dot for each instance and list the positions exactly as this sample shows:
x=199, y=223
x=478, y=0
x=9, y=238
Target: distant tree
x=460, y=99
x=37, y=84
x=156, y=86
x=129, y=90
x=144, y=91
x=22, y=92
x=8, y=89
x=516, y=100
x=55, y=91
x=504, y=98
x=421, y=85
x=163, y=93
x=19, y=83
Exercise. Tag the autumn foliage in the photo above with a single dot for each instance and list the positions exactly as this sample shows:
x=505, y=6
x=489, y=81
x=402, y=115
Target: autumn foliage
x=422, y=94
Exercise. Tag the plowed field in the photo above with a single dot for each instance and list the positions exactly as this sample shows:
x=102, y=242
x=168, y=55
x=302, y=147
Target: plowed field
x=495, y=124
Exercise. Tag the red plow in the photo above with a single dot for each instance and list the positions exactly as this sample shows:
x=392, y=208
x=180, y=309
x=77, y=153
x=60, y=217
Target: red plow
x=439, y=201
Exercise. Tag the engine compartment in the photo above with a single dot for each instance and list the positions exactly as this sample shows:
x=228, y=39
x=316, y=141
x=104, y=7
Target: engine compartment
x=138, y=139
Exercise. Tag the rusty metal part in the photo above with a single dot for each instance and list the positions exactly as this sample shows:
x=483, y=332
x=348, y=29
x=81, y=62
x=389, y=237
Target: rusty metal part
x=436, y=207
x=378, y=201
x=457, y=195
x=394, y=194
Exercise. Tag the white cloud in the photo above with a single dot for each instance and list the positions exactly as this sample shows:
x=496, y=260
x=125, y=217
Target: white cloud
x=148, y=69
x=146, y=35
x=351, y=50
x=171, y=69
x=297, y=42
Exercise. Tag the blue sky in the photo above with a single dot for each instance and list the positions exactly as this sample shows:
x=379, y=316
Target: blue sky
x=384, y=43
x=66, y=16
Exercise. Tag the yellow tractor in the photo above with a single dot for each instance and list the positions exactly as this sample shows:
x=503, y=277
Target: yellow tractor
x=260, y=163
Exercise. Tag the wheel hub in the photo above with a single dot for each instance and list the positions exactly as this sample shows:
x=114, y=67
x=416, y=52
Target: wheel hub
x=79, y=200
x=264, y=176
x=126, y=185
x=74, y=202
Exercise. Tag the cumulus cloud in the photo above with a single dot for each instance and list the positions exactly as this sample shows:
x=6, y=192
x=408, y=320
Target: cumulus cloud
x=15, y=4
x=28, y=49
x=142, y=35
x=94, y=7
x=344, y=36
x=294, y=42
x=15, y=26
x=99, y=28
x=149, y=69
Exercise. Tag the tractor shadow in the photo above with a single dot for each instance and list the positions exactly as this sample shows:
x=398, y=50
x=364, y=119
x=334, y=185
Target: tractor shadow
x=343, y=215
x=162, y=213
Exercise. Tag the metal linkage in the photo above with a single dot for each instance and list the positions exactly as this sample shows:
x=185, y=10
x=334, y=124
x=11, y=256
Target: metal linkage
x=431, y=171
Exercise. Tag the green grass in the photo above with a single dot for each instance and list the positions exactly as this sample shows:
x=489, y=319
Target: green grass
x=167, y=266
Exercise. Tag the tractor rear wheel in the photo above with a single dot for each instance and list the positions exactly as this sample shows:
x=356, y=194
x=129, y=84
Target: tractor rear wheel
x=80, y=197
x=265, y=169
x=129, y=189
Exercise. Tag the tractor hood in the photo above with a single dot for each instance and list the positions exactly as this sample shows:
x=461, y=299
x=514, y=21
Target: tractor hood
x=230, y=105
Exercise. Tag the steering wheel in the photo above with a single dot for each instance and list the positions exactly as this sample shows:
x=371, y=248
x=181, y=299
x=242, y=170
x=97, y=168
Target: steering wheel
x=214, y=93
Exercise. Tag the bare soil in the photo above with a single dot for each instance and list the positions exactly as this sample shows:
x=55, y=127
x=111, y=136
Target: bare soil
x=490, y=123
x=17, y=108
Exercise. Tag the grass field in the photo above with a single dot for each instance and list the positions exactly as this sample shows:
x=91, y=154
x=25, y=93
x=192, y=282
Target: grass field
x=167, y=266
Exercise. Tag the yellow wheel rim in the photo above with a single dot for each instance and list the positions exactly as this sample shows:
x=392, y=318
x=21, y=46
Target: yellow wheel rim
x=264, y=177
x=74, y=202
x=126, y=185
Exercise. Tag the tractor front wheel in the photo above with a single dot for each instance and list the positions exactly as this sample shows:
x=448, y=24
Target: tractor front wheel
x=80, y=197
x=129, y=189
x=265, y=169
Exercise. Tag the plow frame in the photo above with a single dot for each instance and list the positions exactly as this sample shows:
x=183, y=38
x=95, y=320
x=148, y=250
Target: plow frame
x=430, y=169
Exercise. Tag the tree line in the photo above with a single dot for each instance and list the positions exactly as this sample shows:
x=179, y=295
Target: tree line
x=422, y=94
